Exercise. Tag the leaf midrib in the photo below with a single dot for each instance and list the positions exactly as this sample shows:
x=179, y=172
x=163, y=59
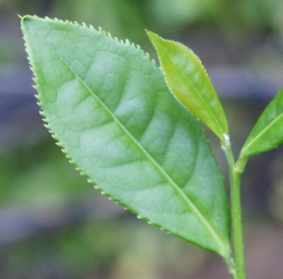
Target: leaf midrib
x=260, y=134
x=218, y=239
x=211, y=112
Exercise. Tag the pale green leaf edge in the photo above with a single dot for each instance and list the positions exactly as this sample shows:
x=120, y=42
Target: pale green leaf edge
x=225, y=246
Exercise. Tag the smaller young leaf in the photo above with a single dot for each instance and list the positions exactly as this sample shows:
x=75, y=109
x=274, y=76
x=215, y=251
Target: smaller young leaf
x=189, y=82
x=268, y=131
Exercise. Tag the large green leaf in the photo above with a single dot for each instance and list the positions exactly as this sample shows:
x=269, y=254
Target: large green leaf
x=106, y=103
x=268, y=131
x=189, y=82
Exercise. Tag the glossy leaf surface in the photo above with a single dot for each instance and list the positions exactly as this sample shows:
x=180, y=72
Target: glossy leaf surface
x=106, y=103
x=268, y=131
x=189, y=82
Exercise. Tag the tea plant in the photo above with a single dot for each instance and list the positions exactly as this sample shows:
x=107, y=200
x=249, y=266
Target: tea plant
x=135, y=131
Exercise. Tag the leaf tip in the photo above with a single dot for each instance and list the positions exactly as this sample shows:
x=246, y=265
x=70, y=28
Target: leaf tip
x=25, y=19
x=153, y=37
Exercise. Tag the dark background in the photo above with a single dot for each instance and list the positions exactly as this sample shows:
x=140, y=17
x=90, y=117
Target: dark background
x=54, y=225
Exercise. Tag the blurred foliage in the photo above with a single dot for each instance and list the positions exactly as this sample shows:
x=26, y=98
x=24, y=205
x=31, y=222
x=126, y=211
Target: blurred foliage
x=129, y=17
x=9, y=52
x=106, y=249
x=43, y=177
x=276, y=197
x=240, y=15
x=122, y=17
x=70, y=253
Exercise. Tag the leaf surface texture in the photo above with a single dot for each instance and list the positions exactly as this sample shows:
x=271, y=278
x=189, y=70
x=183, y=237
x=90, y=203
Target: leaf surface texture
x=108, y=106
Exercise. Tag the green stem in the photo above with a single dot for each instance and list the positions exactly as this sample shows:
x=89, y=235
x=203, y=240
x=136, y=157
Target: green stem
x=237, y=227
x=236, y=214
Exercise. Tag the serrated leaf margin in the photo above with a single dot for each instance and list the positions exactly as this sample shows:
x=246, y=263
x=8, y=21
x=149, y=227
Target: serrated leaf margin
x=226, y=250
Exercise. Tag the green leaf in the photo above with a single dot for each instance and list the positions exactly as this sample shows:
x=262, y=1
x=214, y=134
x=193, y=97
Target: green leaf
x=189, y=82
x=268, y=131
x=106, y=103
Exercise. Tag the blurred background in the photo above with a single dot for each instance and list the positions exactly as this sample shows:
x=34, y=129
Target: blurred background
x=54, y=225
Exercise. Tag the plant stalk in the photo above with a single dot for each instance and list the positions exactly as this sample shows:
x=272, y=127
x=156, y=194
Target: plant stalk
x=236, y=214
x=237, y=226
